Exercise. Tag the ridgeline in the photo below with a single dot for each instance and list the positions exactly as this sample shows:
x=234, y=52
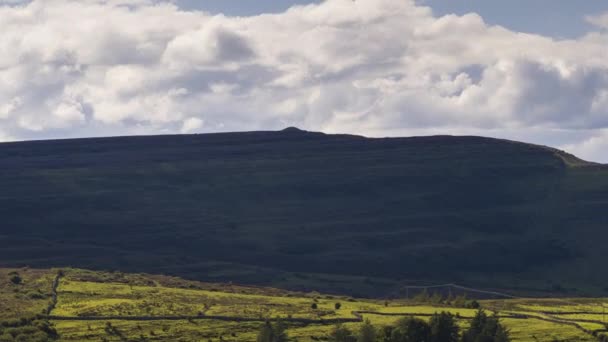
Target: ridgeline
x=304, y=210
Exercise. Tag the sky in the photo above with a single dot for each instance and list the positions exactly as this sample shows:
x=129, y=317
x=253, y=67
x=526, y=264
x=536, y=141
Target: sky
x=529, y=70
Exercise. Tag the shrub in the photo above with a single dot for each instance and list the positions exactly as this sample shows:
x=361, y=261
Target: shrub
x=473, y=304
x=36, y=295
x=16, y=279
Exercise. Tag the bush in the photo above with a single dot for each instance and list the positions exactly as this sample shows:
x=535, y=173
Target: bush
x=36, y=295
x=27, y=330
x=16, y=279
x=472, y=304
x=337, y=306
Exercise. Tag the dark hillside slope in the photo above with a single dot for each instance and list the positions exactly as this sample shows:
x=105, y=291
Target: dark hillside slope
x=281, y=208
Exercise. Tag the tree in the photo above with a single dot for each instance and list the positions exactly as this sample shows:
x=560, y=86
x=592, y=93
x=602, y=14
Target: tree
x=280, y=332
x=411, y=330
x=422, y=297
x=385, y=334
x=367, y=333
x=314, y=306
x=485, y=329
x=477, y=325
x=272, y=332
x=436, y=298
x=341, y=333
x=460, y=301
x=443, y=328
x=502, y=334
x=266, y=334
x=337, y=306
x=449, y=299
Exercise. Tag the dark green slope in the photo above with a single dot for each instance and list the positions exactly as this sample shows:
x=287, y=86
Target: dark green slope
x=282, y=207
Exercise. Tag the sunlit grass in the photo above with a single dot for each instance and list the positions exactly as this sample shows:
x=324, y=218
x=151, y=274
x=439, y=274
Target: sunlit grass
x=98, y=294
x=538, y=330
x=27, y=298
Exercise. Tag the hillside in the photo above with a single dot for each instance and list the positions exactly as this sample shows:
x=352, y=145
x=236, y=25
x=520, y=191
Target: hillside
x=82, y=305
x=303, y=210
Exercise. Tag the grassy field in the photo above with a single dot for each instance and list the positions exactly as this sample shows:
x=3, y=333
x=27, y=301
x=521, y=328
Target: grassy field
x=97, y=306
x=24, y=292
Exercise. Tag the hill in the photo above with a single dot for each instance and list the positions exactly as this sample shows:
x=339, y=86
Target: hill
x=81, y=305
x=304, y=210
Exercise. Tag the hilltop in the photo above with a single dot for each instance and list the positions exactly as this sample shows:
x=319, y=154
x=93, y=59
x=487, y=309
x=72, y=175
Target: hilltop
x=305, y=210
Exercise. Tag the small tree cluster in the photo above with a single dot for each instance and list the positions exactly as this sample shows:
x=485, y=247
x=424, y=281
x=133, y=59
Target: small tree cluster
x=273, y=333
x=486, y=328
x=437, y=298
x=441, y=328
x=410, y=330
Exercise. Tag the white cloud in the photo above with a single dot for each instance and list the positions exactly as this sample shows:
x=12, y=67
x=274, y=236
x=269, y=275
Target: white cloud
x=599, y=20
x=192, y=125
x=375, y=67
x=592, y=147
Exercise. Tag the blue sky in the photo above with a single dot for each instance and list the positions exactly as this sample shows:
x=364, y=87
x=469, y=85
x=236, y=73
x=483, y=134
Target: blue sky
x=556, y=18
x=241, y=7
x=73, y=68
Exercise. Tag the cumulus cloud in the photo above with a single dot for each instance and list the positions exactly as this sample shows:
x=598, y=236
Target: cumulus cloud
x=591, y=145
x=598, y=20
x=374, y=67
x=192, y=125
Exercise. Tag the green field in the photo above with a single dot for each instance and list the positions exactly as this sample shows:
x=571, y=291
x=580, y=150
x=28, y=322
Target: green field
x=97, y=306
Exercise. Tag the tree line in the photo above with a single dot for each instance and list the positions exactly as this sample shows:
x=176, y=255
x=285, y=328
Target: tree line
x=441, y=327
x=460, y=301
